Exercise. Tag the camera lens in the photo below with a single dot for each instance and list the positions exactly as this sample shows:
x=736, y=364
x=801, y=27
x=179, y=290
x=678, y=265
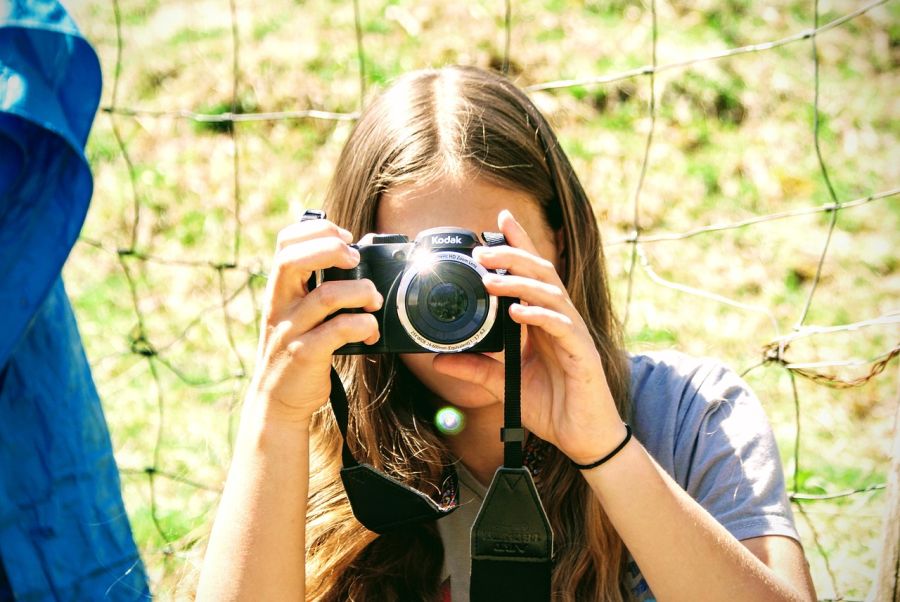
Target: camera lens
x=442, y=303
x=447, y=302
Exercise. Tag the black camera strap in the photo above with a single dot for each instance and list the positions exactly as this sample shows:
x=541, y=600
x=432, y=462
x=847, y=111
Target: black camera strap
x=512, y=542
x=511, y=538
x=380, y=502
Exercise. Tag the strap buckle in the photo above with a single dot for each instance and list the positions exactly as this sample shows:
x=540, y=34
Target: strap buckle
x=512, y=435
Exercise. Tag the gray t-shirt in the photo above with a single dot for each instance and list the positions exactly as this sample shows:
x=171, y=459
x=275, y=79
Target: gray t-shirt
x=705, y=427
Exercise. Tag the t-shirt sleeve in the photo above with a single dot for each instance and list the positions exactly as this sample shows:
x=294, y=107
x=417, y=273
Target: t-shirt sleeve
x=727, y=456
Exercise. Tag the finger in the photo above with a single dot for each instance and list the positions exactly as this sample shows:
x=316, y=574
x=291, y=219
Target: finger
x=329, y=298
x=316, y=228
x=294, y=265
x=533, y=292
x=324, y=340
x=515, y=234
x=474, y=368
x=557, y=325
x=517, y=261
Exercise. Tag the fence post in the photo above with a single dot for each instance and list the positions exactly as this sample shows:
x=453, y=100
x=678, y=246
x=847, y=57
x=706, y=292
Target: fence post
x=887, y=576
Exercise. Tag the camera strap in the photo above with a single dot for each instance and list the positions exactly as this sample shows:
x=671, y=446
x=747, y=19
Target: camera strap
x=512, y=542
x=380, y=502
x=511, y=538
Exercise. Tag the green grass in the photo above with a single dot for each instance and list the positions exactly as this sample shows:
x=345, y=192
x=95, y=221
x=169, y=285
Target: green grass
x=733, y=140
x=650, y=336
x=192, y=35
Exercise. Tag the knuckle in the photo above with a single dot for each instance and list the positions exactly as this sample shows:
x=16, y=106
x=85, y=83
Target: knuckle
x=334, y=244
x=281, y=268
x=270, y=322
x=333, y=230
x=278, y=331
x=325, y=229
x=297, y=349
x=326, y=295
x=335, y=249
x=357, y=326
x=347, y=327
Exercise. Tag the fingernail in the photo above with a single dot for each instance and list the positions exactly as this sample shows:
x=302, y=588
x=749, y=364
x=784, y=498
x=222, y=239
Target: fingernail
x=354, y=253
x=511, y=216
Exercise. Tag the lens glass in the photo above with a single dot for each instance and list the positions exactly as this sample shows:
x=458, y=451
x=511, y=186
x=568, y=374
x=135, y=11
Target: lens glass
x=447, y=301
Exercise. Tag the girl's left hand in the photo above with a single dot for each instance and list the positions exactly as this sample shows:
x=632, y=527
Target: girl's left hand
x=565, y=397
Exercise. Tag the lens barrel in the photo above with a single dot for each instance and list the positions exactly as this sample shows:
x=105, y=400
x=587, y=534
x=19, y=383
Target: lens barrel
x=442, y=303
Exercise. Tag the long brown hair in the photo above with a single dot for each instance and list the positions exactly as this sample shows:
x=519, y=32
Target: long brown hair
x=456, y=121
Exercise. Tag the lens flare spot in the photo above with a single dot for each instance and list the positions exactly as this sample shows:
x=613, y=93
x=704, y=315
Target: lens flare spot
x=422, y=262
x=449, y=420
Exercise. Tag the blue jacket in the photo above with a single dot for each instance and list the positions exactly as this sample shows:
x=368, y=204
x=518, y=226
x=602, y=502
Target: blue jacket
x=64, y=534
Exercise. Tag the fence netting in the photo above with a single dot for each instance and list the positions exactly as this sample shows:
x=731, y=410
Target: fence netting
x=741, y=157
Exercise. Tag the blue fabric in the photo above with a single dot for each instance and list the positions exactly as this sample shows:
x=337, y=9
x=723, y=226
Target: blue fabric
x=64, y=533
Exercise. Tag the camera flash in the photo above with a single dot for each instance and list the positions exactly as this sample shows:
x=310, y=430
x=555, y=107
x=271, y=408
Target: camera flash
x=449, y=420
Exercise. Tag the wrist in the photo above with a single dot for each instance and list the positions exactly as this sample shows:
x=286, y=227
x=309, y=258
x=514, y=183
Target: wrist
x=260, y=440
x=263, y=406
x=600, y=453
x=264, y=414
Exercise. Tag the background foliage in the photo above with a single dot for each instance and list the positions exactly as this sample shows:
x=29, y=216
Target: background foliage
x=177, y=242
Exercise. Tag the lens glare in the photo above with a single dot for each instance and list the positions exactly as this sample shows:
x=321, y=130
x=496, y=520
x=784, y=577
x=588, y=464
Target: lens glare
x=447, y=302
x=449, y=420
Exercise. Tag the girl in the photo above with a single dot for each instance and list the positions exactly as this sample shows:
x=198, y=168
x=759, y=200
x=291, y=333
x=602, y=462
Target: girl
x=691, y=508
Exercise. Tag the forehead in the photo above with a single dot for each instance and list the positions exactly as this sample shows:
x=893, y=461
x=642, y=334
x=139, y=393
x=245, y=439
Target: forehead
x=472, y=204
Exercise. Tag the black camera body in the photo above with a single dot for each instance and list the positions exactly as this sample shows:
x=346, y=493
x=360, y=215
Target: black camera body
x=434, y=297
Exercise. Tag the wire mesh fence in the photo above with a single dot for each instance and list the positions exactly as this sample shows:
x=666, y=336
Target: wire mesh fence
x=220, y=123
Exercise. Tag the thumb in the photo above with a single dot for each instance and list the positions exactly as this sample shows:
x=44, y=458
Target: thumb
x=475, y=368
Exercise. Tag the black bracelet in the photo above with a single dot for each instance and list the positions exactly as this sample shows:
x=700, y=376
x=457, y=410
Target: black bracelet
x=608, y=456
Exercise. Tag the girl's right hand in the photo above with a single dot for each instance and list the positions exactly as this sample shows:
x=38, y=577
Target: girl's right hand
x=292, y=376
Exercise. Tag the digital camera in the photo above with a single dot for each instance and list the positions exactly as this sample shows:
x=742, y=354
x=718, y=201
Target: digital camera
x=434, y=298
